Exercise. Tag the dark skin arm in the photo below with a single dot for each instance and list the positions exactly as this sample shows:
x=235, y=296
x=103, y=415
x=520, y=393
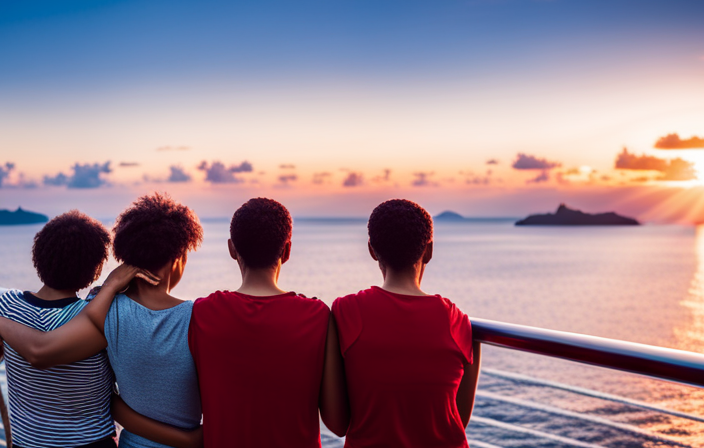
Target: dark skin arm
x=81, y=337
x=468, y=385
x=334, y=402
x=153, y=430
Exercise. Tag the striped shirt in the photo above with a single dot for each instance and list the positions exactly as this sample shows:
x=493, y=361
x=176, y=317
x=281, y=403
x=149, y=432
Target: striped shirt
x=66, y=405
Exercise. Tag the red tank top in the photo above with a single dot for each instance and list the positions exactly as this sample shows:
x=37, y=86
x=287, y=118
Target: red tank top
x=260, y=363
x=404, y=360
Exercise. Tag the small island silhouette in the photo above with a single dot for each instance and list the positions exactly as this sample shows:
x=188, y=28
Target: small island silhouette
x=19, y=216
x=565, y=216
x=449, y=216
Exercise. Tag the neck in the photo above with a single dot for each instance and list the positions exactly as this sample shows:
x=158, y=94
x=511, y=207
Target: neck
x=143, y=290
x=404, y=281
x=48, y=293
x=260, y=282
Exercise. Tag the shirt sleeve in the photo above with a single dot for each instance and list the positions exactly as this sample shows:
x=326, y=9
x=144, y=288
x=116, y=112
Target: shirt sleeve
x=461, y=330
x=348, y=320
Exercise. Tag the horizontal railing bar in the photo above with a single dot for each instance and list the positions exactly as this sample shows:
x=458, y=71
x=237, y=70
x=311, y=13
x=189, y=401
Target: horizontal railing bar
x=658, y=362
x=517, y=377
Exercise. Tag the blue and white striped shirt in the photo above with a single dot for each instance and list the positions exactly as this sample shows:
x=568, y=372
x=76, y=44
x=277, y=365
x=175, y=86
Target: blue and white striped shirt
x=66, y=405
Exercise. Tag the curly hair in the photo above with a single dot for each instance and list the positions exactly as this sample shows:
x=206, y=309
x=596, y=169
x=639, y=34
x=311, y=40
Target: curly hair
x=259, y=230
x=155, y=230
x=399, y=231
x=70, y=250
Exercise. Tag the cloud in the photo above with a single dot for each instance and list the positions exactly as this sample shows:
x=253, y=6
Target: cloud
x=492, y=162
x=352, y=180
x=128, y=164
x=5, y=171
x=674, y=169
x=287, y=166
x=178, y=174
x=528, y=162
x=385, y=177
x=173, y=148
x=319, y=178
x=423, y=179
x=217, y=173
x=286, y=179
x=673, y=141
x=544, y=176
x=627, y=161
x=84, y=176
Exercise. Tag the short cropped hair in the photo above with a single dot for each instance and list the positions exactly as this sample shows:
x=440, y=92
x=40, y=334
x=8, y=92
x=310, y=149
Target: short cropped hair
x=70, y=250
x=399, y=231
x=155, y=230
x=260, y=229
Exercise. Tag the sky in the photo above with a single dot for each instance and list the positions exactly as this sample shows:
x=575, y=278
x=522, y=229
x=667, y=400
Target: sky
x=485, y=107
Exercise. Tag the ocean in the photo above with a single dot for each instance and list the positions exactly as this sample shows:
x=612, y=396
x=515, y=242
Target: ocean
x=643, y=284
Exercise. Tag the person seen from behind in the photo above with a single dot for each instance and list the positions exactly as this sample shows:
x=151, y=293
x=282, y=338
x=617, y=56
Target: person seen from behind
x=260, y=350
x=410, y=362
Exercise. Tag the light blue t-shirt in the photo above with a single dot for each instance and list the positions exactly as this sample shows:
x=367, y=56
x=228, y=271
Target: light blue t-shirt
x=153, y=367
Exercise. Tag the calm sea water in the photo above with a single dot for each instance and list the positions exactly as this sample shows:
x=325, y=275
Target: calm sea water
x=640, y=284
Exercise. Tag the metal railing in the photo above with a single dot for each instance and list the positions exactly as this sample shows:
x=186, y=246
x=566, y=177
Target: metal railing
x=657, y=362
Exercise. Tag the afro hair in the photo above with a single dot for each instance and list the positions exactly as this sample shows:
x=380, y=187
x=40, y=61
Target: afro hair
x=259, y=230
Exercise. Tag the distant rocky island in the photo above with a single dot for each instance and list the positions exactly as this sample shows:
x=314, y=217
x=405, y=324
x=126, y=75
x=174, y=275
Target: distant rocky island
x=19, y=216
x=565, y=216
x=449, y=216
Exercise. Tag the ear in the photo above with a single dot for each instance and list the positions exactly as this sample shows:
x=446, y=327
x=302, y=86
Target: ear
x=371, y=251
x=428, y=254
x=231, y=247
x=286, y=254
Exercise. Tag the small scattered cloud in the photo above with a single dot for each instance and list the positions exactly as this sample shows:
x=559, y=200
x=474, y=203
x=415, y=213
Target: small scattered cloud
x=673, y=141
x=287, y=179
x=128, y=164
x=629, y=161
x=384, y=177
x=422, y=179
x=492, y=162
x=217, y=173
x=529, y=162
x=287, y=166
x=5, y=171
x=173, y=148
x=673, y=169
x=178, y=174
x=321, y=178
x=84, y=176
x=544, y=176
x=353, y=179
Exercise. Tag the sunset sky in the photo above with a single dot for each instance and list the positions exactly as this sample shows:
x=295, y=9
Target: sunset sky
x=486, y=107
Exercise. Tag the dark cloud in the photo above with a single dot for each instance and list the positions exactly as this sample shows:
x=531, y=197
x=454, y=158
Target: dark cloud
x=544, y=176
x=128, y=164
x=173, y=148
x=217, y=173
x=287, y=166
x=674, y=169
x=423, y=179
x=178, y=174
x=84, y=176
x=528, y=162
x=319, y=178
x=673, y=141
x=492, y=162
x=288, y=178
x=352, y=180
x=5, y=171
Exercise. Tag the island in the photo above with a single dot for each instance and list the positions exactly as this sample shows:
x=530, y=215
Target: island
x=19, y=216
x=449, y=216
x=565, y=216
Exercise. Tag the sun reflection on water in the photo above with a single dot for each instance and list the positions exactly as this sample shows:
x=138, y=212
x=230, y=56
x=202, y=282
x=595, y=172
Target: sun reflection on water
x=691, y=336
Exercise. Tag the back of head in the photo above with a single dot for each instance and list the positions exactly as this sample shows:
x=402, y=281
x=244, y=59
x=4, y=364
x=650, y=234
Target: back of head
x=70, y=250
x=259, y=230
x=155, y=230
x=399, y=231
